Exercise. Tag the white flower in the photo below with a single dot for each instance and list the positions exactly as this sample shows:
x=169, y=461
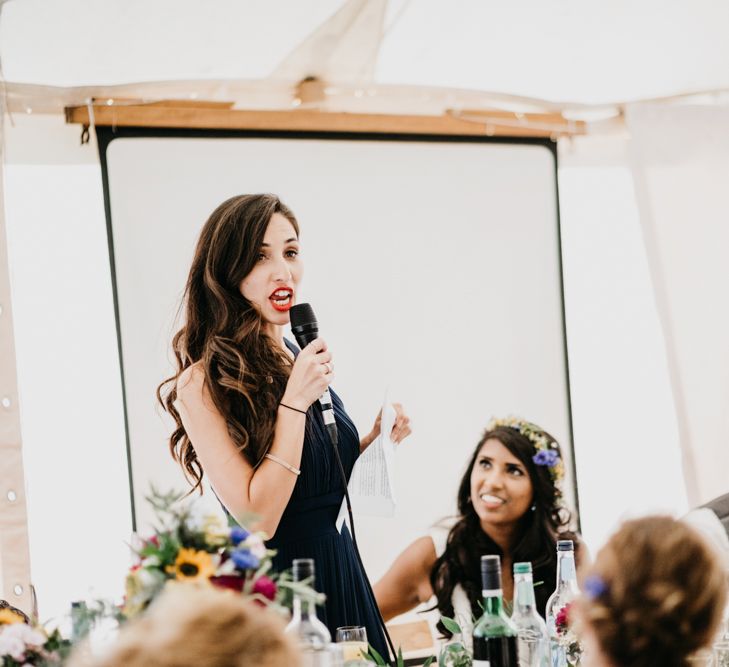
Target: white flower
x=17, y=637
x=228, y=567
x=12, y=646
x=255, y=545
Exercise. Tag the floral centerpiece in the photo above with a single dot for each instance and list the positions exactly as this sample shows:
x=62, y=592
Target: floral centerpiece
x=25, y=645
x=185, y=548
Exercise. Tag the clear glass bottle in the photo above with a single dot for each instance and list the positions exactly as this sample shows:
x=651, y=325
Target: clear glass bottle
x=533, y=642
x=494, y=636
x=563, y=652
x=308, y=630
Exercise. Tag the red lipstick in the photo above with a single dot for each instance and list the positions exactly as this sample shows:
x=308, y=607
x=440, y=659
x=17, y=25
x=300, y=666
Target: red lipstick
x=282, y=298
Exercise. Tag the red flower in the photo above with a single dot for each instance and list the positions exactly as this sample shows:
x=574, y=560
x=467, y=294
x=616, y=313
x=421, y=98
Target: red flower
x=154, y=541
x=230, y=581
x=265, y=587
x=563, y=618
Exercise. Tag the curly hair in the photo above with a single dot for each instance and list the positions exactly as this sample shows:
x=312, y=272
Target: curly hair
x=201, y=626
x=659, y=595
x=245, y=373
x=537, y=536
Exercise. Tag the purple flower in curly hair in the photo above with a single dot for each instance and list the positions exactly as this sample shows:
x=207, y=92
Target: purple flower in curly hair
x=237, y=535
x=546, y=457
x=244, y=559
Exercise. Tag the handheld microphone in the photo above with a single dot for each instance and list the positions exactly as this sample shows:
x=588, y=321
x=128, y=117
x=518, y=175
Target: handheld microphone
x=306, y=329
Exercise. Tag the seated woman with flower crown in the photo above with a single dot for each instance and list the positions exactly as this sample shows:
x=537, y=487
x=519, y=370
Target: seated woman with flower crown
x=654, y=596
x=509, y=504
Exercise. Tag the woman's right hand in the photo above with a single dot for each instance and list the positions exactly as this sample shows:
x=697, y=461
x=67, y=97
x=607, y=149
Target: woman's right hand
x=310, y=376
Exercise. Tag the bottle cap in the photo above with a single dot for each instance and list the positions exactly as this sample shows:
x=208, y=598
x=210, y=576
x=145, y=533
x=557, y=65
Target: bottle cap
x=491, y=574
x=490, y=564
x=522, y=568
x=303, y=568
x=565, y=545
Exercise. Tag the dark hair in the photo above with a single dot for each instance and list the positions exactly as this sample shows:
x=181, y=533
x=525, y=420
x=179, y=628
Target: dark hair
x=536, y=542
x=660, y=593
x=245, y=373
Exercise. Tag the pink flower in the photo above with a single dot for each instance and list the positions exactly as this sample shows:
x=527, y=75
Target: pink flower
x=265, y=587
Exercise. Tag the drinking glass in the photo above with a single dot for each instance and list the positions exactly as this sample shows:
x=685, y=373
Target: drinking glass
x=721, y=654
x=353, y=640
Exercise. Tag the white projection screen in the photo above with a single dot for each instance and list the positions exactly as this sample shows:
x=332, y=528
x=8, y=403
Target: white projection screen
x=432, y=263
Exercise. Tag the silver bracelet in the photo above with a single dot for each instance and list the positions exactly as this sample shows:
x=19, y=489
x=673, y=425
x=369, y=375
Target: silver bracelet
x=283, y=463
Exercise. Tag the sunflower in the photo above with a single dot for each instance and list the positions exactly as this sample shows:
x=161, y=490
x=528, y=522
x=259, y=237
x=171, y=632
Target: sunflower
x=192, y=565
x=8, y=617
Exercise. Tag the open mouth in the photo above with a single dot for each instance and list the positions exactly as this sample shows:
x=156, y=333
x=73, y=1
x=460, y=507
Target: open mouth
x=491, y=502
x=282, y=299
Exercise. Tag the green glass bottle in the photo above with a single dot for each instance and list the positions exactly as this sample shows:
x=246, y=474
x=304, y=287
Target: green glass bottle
x=494, y=636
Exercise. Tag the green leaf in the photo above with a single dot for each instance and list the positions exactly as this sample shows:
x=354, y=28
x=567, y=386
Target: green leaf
x=373, y=656
x=429, y=661
x=400, y=661
x=451, y=625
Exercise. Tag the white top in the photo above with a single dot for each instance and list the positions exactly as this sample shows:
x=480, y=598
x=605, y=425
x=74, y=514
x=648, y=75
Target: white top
x=461, y=606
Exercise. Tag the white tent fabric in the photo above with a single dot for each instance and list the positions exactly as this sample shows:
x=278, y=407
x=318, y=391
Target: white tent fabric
x=570, y=51
x=681, y=166
x=14, y=549
x=425, y=56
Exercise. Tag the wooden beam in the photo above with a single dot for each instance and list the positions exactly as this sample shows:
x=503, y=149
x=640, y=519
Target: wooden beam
x=187, y=114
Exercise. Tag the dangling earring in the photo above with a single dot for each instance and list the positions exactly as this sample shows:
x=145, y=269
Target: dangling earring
x=534, y=507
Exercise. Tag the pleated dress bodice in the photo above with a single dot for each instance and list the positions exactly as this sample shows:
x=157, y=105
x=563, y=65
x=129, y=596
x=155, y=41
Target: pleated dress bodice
x=308, y=526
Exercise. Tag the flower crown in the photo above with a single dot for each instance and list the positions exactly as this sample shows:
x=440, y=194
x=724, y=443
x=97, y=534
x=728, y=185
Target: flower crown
x=547, y=450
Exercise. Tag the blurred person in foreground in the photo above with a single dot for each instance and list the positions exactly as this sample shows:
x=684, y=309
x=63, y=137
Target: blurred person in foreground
x=197, y=625
x=653, y=598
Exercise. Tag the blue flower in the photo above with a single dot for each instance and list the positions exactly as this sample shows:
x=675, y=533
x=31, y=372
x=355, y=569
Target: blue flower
x=546, y=457
x=244, y=559
x=237, y=535
x=594, y=587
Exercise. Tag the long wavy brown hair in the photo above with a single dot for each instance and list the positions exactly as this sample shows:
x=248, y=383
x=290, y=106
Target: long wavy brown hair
x=536, y=542
x=245, y=372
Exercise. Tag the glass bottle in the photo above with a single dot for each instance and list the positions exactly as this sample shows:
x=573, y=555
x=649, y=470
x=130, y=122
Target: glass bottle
x=308, y=630
x=494, y=636
x=533, y=642
x=563, y=649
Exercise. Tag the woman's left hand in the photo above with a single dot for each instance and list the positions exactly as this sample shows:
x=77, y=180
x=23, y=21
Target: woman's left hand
x=400, y=430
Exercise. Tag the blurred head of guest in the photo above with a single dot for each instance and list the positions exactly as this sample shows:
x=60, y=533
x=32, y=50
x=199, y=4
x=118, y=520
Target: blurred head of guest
x=201, y=626
x=654, y=596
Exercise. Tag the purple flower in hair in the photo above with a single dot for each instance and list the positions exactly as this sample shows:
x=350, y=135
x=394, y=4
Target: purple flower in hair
x=594, y=587
x=546, y=457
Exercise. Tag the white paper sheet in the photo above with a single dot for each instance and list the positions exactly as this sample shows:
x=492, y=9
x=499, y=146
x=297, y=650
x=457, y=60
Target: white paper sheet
x=371, y=485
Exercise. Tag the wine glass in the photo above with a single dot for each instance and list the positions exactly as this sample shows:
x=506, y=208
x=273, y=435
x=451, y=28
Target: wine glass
x=353, y=640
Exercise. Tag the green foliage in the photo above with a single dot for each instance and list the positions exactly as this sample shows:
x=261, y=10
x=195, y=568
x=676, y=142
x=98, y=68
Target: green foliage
x=373, y=656
x=451, y=625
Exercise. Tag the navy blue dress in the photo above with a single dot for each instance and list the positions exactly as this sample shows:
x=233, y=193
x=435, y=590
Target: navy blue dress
x=308, y=527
